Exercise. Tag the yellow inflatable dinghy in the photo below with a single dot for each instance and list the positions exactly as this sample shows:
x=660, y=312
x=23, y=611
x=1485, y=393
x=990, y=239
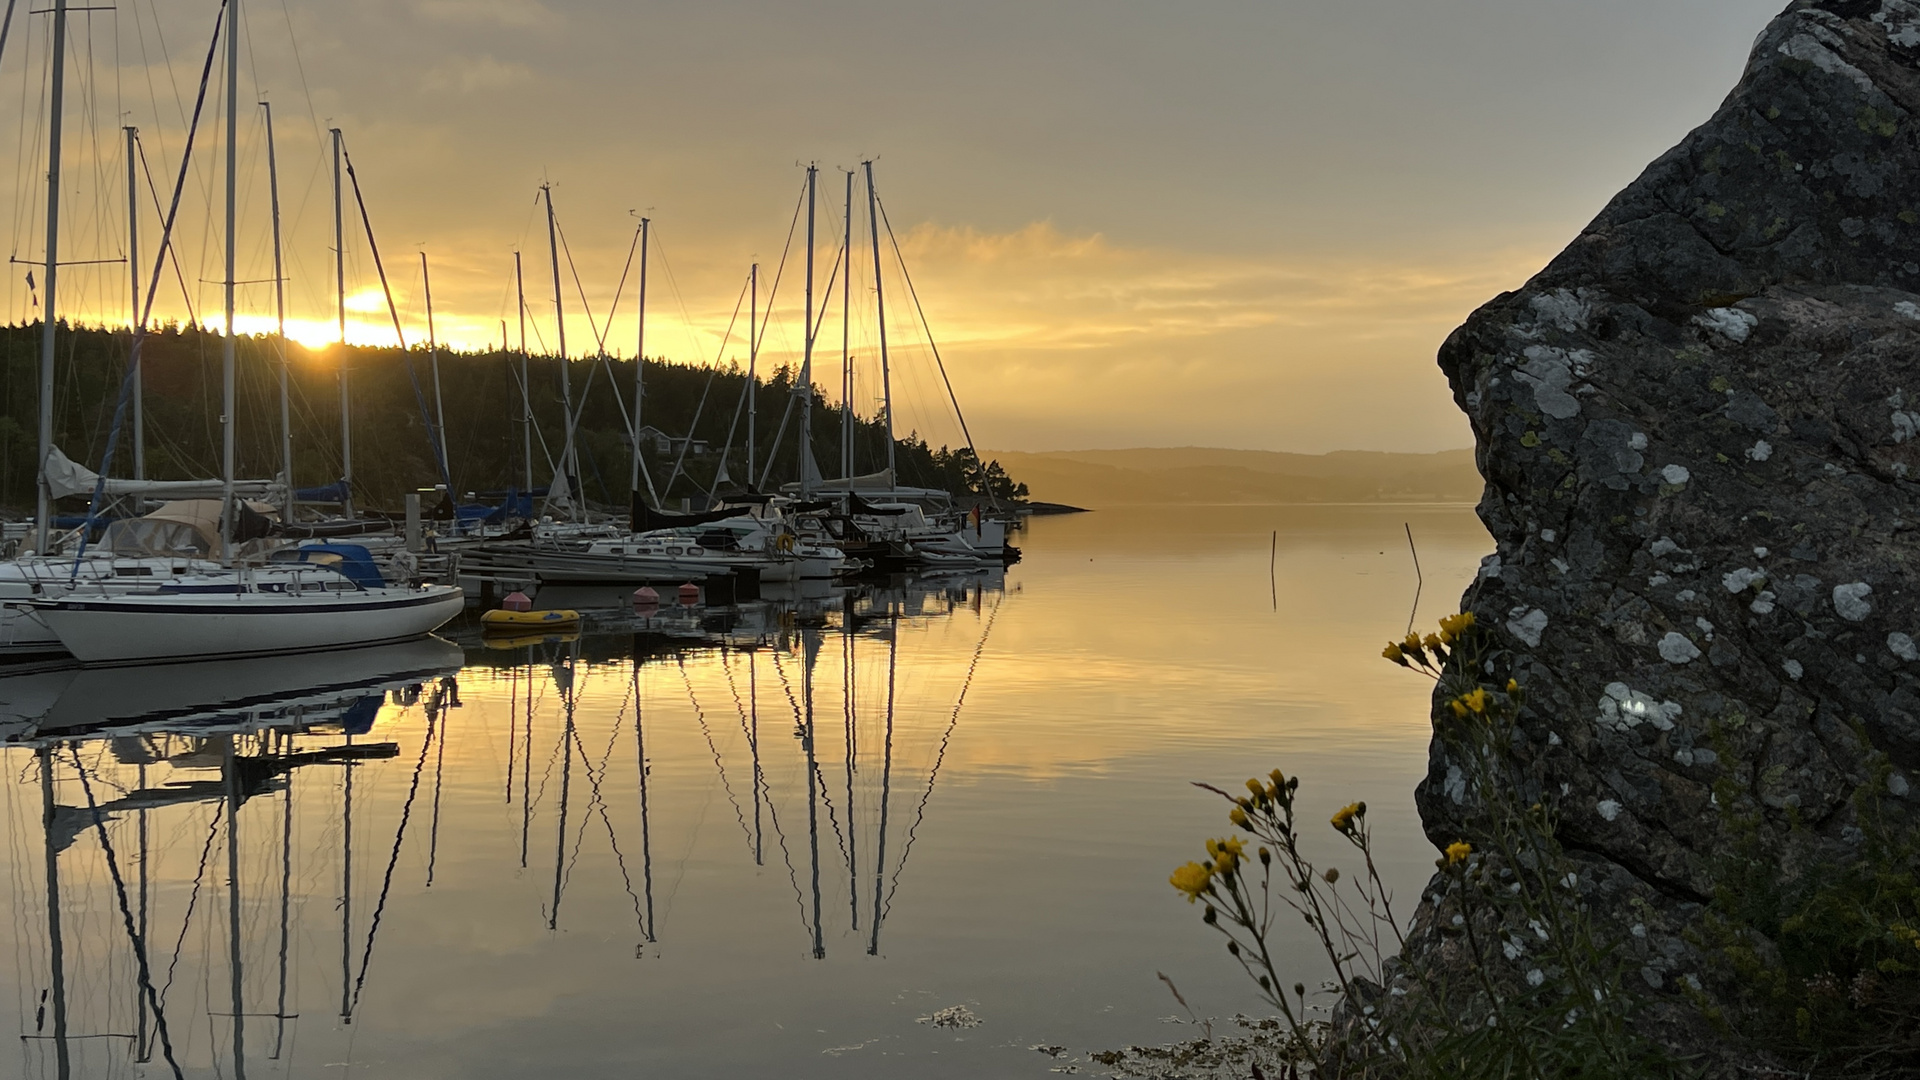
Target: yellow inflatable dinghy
x=525, y=622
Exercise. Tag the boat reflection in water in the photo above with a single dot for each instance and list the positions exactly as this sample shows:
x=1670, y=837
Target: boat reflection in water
x=146, y=780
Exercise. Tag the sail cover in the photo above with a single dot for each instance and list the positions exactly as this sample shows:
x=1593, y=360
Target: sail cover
x=66, y=476
x=645, y=518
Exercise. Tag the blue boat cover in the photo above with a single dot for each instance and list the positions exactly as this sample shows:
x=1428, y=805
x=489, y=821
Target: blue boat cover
x=356, y=563
x=332, y=493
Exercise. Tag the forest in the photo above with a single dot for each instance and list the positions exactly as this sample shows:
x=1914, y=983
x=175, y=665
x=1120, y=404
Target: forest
x=393, y=394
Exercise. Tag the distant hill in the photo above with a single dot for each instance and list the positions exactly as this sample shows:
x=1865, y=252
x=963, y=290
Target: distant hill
x=1190, y=474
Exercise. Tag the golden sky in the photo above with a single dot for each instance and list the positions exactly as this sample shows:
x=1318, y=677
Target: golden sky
x=1235, y=223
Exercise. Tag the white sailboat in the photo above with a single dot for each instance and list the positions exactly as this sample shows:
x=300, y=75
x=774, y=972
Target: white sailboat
x=241, y=610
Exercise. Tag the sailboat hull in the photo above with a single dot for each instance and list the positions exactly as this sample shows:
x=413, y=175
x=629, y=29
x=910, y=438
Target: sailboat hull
x=140, y=629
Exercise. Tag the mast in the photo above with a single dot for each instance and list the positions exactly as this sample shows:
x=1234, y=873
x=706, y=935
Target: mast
x=133, y=312
x=63, y=1067
x=433, y=361
x=846, y=356
x=640, y=359
x=806, y=362
x=646, y=835
x=346, y=894
x=227, y=363
x=880, y=303
x=280, y=321
x=526, y=758
x=50, y=273
x=810, y=651
x=886, y=779
x=340, y=295
x=280, y=1016
x=566, y=382
x=753, y=740
x=526, y=388
x=753, y=354
x=566, y=783
x=232, y=776
x=140, y=1033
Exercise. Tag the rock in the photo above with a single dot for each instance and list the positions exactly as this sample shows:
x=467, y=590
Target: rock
x=1726, y=361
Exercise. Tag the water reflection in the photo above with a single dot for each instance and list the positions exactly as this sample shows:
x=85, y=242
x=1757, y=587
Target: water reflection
x=161, y=786
x=695, y=842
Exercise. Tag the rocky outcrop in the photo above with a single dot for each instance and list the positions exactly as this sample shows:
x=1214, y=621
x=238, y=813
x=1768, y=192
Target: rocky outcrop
x=1700, y=432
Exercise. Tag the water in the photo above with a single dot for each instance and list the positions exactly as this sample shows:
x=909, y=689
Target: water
x=499, y=905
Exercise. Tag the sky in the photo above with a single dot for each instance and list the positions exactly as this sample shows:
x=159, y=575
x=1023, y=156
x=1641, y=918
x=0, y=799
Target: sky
x=1231, y=223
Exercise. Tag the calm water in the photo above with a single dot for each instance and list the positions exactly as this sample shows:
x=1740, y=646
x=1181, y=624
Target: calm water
x=856, y=810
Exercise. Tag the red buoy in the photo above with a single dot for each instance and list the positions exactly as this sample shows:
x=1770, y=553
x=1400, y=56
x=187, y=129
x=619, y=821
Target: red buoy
x=516, y=601
x=689, y=594
x=645, y=598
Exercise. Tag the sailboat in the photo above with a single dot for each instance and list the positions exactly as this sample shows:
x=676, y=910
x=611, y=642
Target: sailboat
x=333, y=597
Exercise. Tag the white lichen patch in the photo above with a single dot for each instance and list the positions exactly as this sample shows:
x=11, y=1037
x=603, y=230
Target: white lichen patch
x=1760, y=450
x=1850, y=600
x=953, y=1016
x=1677, y=648
x=1550, y=373
x=1704, y=626
x=1490, y=567
x=1908, y=308
x=1905, y=425
x=1793, y=668
x=1455, y=785
x=1731, y=323
x=1901, y=18
x=1663, y=547
x=1637, y=441
x=1677, y=475
x=1608, y=808
x=1901, y=645
x=1809, y=48
x=1563, y=309
x=1527, y=625
x=1623, y=708
x=1740, y=580
x=1762, y=604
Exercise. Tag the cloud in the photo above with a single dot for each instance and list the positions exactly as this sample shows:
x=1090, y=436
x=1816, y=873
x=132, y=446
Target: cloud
x=514, y=13
x=1055, y=340
x=473, y=74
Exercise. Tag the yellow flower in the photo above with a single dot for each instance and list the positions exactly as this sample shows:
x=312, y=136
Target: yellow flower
x=1458, y=851
x=1227, y=854
x=1433, y=642
x=1238, y=817
x=1513, y=688
x=1192, y=879
x=1454, y=625
x=1343, y=818
x=1473, y=701
x=1394, y=653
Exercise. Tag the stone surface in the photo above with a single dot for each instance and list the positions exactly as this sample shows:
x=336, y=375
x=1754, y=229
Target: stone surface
x=1700, y=431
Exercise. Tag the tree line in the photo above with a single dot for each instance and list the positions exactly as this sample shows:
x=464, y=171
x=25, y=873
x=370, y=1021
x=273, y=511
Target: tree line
x=393, y=394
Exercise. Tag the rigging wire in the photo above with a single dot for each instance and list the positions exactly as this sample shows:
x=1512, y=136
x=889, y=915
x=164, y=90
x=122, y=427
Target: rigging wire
x=126, y=915
x=931, y=343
